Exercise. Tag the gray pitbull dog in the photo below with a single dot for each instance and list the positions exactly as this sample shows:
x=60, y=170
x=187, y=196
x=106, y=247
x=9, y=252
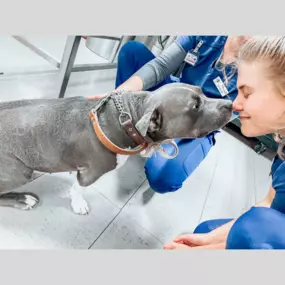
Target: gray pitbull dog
x=57, y=135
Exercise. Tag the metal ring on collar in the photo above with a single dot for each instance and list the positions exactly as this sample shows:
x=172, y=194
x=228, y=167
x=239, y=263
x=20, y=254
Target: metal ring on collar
x=124, y=114
x=166, y=155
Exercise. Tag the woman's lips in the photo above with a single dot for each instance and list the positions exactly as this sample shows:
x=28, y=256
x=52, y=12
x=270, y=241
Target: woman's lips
x=244, y=117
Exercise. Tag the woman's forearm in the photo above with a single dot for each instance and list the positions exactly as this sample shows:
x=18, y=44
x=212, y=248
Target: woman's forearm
x=155, y=71
x=220, y=234
x=134, y=83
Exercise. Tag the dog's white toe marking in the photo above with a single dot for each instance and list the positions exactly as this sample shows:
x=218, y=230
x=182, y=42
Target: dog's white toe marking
x=79, y=206
x=26, y=201
x=121, y=160
x=30, y=202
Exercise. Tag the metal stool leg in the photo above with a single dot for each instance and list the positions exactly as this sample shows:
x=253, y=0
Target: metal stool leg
x=67, y=62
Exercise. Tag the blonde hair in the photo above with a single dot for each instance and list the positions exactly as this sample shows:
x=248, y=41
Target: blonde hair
x=269, y=51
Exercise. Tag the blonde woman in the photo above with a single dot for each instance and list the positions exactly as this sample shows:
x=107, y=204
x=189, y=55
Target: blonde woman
x=261, y=105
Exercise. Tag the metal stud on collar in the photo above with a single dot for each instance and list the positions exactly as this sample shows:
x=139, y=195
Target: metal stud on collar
x=124, y=115
x=118, y=101
x=106, y=98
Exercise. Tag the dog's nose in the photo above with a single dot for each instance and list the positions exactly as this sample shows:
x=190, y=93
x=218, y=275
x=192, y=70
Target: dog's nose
x=228, y=106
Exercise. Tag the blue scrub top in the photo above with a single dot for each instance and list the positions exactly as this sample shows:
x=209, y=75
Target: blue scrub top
x=204, y=72
x=278, y=183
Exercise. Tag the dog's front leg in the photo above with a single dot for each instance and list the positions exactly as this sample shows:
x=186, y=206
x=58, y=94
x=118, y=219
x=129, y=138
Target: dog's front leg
x=86, y=176
x=78, y=204
x=121, y=160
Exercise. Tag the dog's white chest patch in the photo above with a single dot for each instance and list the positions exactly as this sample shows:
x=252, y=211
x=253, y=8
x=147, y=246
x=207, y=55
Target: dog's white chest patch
x=121, y=160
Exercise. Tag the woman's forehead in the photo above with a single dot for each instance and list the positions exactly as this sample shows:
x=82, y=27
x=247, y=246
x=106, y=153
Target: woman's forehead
x=250, y=74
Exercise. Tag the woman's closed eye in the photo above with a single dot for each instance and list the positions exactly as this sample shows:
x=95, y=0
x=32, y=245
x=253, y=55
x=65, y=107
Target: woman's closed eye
x=245, y=90
x=246, y=95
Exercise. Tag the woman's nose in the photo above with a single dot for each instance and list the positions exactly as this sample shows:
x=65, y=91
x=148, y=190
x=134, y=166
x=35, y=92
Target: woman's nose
x=237, y=105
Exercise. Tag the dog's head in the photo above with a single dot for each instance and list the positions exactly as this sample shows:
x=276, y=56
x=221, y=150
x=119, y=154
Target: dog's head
x=180, y=110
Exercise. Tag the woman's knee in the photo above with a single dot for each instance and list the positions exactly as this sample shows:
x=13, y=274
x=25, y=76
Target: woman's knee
x=162, y=180
x=259, y=228
x=132, y=56
x=165, y=175
x=210, y=225
x=132, y=49
x=169, y=175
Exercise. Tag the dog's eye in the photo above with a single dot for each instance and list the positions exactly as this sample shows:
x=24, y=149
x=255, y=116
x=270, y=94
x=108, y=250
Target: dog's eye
x=197, y=104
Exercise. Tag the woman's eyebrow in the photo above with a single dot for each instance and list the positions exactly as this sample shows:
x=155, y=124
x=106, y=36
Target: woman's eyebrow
x=243, y=86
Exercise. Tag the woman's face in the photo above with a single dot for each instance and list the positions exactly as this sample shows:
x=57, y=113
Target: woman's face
x=261, y=106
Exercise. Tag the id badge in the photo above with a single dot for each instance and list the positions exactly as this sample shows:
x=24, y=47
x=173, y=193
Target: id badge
x=221, y=86
x=192, y=58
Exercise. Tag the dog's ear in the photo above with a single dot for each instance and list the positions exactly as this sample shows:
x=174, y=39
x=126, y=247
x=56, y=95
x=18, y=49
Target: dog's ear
x=150, y=122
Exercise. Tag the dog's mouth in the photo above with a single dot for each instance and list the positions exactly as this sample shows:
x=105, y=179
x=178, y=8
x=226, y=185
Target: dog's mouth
x=203, y=134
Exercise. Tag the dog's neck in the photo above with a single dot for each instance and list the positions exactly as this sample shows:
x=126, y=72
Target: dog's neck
x=134, y=104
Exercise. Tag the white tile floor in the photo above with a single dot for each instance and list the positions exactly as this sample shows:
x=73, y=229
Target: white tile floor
x=123, y=216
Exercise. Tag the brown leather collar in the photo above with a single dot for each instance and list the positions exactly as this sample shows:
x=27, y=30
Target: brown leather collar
x=127, y=126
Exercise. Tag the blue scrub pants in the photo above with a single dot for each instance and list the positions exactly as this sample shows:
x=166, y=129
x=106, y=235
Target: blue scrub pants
x=259, y=228
x=164, y=175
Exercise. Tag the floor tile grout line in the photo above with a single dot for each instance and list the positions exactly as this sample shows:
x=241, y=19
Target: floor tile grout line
x=204, y=204
x=120, y=210
x=209, y=188
x=117, y=206
x=155, y=237
x=105, y=229
x=152, y=234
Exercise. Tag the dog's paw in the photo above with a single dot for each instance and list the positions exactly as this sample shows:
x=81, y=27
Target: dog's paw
x=79, y=206
x=26, y=201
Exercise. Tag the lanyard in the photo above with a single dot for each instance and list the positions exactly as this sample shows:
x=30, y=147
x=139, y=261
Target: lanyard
x=196, y=49
x=193, y=52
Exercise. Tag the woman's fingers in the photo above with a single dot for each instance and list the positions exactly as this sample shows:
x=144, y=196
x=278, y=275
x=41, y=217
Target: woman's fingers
x=179, y=246
x=193, y=239
x=176, y=246
x=96, y=97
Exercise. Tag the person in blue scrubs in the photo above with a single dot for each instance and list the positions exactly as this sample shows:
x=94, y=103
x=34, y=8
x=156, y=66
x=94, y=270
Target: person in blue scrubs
x=198, y=60
x=261, y=106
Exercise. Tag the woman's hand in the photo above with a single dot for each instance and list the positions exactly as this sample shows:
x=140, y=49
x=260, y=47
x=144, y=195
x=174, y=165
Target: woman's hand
x=134, y=83
x=197, y=241
x=215, y=239
x=96, y=97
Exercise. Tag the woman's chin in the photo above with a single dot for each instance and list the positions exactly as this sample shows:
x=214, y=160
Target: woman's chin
x=252, y=132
